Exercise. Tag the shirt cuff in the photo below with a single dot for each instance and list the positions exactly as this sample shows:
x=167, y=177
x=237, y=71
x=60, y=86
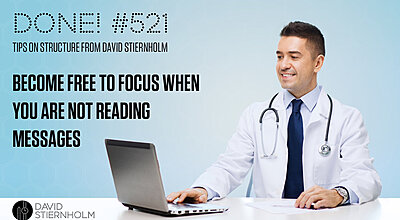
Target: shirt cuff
x=353, y=197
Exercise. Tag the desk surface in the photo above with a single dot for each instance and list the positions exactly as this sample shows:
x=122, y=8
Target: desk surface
x=110, y=208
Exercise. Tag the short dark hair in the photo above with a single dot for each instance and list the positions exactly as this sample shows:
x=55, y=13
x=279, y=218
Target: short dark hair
x=307, y=31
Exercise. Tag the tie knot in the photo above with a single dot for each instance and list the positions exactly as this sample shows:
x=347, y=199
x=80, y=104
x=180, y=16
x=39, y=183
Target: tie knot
x=296, y=103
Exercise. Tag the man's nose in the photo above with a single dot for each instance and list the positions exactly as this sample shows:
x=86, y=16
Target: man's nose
x=285, y=64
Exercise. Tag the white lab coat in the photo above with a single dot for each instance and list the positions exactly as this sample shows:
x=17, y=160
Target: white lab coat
x=348, y=164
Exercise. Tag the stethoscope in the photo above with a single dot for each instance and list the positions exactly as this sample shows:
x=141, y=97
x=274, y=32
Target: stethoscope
x=324, y=150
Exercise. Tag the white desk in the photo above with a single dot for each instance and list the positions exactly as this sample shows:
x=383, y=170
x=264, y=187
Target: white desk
x=110, y=209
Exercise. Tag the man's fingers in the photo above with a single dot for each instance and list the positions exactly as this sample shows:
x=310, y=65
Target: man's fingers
x=307, y=195
x=203, y=198
x=171, y=197
x=182, y=197
x=196, y=195
x=304, y=196
x=305, y=199
x=297, y=203
x=319, y=204
x=312, y=199
x=190, y=193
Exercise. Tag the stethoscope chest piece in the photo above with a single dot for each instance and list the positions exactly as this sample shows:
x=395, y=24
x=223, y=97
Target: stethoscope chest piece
x=324, y=150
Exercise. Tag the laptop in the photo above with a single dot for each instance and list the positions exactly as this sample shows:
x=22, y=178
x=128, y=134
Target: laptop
x=138, y=183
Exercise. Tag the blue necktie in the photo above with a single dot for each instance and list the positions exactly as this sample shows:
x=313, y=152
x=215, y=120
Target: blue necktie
x=294, y=177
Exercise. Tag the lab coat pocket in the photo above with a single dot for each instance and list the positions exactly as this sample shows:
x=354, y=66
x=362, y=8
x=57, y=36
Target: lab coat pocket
x=326, y=168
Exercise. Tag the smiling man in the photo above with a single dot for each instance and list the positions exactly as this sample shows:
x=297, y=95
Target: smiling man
x=298, y=64
x=302, y=144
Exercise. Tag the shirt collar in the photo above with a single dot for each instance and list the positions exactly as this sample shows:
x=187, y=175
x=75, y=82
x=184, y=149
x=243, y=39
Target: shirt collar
x=310, y=99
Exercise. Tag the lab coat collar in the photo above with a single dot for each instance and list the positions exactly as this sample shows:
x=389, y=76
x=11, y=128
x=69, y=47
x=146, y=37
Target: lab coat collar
x=322, y=108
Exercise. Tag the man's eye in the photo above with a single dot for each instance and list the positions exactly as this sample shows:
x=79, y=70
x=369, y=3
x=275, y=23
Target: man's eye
x=293, y=57
x=279, y=57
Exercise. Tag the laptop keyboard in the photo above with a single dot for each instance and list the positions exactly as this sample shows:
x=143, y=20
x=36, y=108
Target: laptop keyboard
x=181, y=206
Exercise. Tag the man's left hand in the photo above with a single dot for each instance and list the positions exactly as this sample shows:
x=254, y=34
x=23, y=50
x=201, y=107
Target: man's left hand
x=322, y=198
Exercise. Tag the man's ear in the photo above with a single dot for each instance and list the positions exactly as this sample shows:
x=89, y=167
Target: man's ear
x=319, y=61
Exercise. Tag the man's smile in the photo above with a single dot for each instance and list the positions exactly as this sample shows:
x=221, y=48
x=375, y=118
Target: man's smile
x=287, y=75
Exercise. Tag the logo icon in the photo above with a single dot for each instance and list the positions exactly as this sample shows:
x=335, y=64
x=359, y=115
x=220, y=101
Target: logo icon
x=22, y=210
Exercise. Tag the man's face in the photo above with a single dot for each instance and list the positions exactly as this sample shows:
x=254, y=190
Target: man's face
x=295, y=66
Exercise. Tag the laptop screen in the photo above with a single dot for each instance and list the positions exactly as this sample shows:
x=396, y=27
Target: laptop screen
x=136, y=174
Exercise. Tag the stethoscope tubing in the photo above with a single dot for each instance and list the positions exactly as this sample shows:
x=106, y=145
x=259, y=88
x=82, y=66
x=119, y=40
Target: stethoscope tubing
x=324, y=150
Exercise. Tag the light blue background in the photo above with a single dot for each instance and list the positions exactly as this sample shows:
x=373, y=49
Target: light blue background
x=232, y=45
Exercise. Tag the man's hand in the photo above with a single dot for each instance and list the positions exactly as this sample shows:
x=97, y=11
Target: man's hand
x=322, y=198
x=192, y=195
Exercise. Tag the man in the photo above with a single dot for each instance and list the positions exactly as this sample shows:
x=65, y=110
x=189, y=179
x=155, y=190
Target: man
x=290, y=159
